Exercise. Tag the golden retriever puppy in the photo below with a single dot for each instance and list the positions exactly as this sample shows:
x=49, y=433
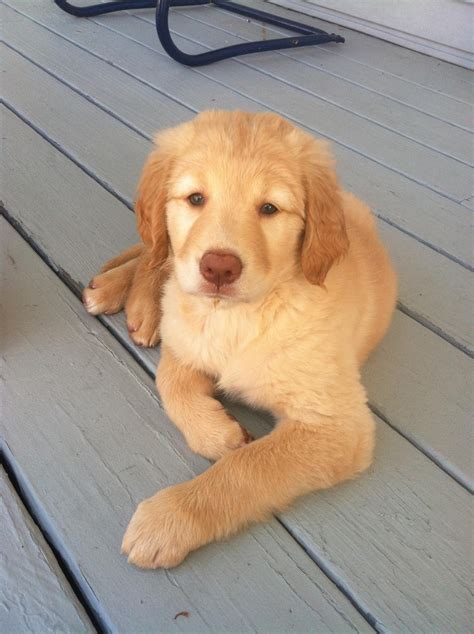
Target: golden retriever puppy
x=274, y=288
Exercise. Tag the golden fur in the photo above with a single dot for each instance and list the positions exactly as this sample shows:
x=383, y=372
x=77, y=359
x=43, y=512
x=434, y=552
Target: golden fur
x=315, y=296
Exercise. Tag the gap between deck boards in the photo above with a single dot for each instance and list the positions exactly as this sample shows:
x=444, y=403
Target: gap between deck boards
x=219, y=23
x=180, y=32
x=437, y=249
x=211, y=74
x=411, y=313
x=83, y=592
x=400, y=305
x=119, y=68
x=79, y=584
x=76, y=287
x=101, y=181
x=131, y=349
x=325, y=566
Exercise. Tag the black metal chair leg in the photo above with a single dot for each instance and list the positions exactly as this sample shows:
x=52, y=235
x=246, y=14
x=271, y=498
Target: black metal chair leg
x=108, y=7
x=306, y=35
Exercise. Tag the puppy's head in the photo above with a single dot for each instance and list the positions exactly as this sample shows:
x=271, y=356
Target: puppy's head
x=242, y=201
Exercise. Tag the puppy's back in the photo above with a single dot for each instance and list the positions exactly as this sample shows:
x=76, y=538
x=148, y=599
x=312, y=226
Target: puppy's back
x=376, y=276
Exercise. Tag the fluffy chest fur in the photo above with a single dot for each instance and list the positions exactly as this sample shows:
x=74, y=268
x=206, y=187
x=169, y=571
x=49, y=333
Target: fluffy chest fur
x=279, y=355
x=207, y=334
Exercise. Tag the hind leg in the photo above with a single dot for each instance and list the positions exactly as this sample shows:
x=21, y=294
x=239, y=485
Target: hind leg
x=129, y=254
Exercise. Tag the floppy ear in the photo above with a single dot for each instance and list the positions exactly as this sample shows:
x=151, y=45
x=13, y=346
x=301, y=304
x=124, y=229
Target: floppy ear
x=150, y=205
x=325, y=239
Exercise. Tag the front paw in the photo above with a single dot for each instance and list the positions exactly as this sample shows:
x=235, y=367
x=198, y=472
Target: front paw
x=164, y=529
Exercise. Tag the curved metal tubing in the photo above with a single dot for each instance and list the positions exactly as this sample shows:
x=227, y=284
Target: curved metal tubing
x=307, y=36
x=162, y=28
x=108, y=7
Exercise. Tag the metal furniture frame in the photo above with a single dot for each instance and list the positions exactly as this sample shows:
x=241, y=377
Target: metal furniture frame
x=306, y=35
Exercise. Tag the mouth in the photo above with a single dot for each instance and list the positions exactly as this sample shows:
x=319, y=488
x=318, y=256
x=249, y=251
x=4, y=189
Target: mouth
x=226, y=291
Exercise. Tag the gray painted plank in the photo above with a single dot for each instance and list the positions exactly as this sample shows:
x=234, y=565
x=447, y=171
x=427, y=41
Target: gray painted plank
x=326, y=59
x=438, y=220
x=423, y=275
x=441, y=613
x=97, y=79
x=394, y=536
x=35, y=596
x=426, y=166
x=425, y=390
x=430, y=298
x=415, y=125
x=439, y=76
x=398, y=539
x=91, y=418
x=428, y=432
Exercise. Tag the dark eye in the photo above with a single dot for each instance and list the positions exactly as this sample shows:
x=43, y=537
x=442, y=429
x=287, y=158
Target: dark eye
x=268, y=209
x=196, y=199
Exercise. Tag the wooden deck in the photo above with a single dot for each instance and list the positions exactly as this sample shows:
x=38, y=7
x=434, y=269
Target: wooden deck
x=83, y=434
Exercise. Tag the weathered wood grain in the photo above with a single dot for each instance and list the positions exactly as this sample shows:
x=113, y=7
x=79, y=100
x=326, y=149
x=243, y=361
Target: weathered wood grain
x=393, y=536
x=423, y=165
x=333, y=60
x=98, y=417
x=376, y=108
x=34, y=593
x=437, y=75
x=122, y=175
x=430, y=298
x=425, y=390
x=83, y=422
x=130, y=100
x=421, y=212
x=389, y=539
x=362, y=538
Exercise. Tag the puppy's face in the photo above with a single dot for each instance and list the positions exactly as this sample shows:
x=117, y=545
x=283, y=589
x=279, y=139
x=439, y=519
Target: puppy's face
x=243, y=201
x=235, y=215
